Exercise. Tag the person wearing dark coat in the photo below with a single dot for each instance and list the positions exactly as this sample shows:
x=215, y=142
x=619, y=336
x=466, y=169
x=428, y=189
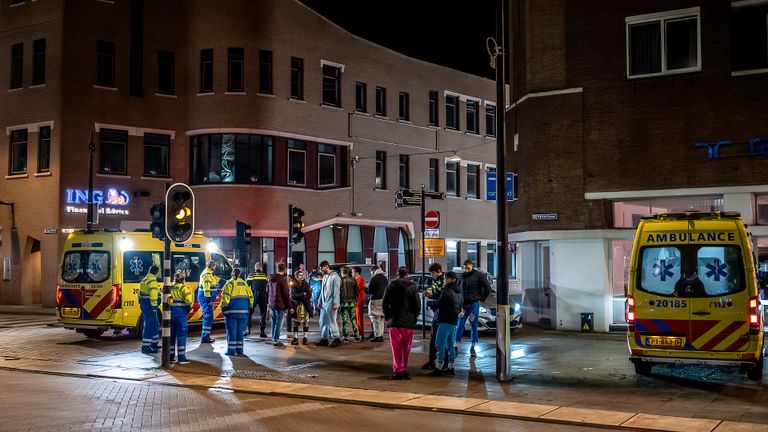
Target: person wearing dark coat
x=475, y=288
x=376, y=288
x=448, y=310
x=279, y=302
x=301, y=311
x=401, y=306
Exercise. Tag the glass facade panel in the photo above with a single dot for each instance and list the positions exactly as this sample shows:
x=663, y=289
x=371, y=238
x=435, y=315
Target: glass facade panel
x=355, y=245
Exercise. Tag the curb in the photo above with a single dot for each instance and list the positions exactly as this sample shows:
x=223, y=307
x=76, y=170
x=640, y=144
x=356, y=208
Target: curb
x=441, y=404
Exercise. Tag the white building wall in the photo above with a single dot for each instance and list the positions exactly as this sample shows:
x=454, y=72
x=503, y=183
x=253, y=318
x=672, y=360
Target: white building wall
x=742, y=203
x=581, y=282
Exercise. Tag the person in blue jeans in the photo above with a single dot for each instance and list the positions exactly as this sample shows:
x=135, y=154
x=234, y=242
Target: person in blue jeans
x=475, y=287
x=279, y=302
x=448, y=310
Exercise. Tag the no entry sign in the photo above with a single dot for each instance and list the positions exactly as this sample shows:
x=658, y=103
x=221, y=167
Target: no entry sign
x=432, y=219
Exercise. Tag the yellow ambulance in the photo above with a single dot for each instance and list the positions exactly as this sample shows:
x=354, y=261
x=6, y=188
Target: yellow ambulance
x=693, y=293
x=100, y=273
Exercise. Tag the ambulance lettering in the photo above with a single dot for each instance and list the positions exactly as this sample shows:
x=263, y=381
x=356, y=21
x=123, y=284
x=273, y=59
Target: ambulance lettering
x=691, y=237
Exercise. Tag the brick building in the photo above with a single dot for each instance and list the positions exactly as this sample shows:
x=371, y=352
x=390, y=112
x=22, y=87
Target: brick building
x=256, y=104
x=621, y=109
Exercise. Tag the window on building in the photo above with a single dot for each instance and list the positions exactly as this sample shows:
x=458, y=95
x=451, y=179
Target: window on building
x=490, y=120
x=113, y=151
x=490, y=259
x=166, y=65
x=326, y=165
x=405, y=106
x=361, y=98
x=473, y=116
x=44, y=150
x=17, y=65
x=38, y=62
x=355, y=245
x=749, y=38
x=663, y=45
x=265, y=71
x=452, y=112
x=405, y=180
x=297, y=78
x=434, y=175
x=381, y=170
x=381, y=101
x=402, y=249
x=452, y=255
x=105, y=63
x=230, y=158
x=235, y=63
x=627, y=214
x=18, y=160
x=473, y=181
x=434, y=117
x=156, y=154
x=297, y=163
x=332, y=85
x=473, y=253
x=206, y=71
x=452, y=178
x=326, y=246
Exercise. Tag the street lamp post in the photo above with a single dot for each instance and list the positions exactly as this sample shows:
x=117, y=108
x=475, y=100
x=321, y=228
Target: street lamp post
x=503, y=367
x=91, y=150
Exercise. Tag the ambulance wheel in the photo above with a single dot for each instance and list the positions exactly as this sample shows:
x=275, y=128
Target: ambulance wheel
x=755, y=373
x=136, y=332
x=92, y=334
x=642, y=368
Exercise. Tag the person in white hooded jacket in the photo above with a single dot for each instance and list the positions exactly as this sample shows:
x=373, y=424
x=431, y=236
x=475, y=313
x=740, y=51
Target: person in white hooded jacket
x=376, y=288
x=329, y=303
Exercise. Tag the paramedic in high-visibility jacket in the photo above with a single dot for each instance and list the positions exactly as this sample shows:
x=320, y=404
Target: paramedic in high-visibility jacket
x=206, y=295
x=149, y=299
x=181, y=303
x=236, y=300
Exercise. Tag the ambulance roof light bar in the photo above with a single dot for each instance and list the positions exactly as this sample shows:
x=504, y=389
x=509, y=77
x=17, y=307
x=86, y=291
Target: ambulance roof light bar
x=692, y=215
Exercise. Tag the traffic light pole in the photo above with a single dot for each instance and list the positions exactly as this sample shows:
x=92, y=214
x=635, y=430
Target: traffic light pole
x=503, y=367
x=289, y=260
x=423, y=266
x=166, y=332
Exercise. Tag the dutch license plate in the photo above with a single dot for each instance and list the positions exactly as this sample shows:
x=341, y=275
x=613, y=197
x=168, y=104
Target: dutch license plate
x=665, y=341
x=70, y=312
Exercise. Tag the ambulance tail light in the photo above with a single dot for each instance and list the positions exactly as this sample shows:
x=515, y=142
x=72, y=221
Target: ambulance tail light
x=117, y=297
x=754, y=316
x=59, y=296
x=631, y=313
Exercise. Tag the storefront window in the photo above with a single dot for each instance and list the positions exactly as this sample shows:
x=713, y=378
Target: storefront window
x=761, y=207
x=627, y=214
x=472, y=252
x=452, y=254
x=326, y=247
x=355, y=245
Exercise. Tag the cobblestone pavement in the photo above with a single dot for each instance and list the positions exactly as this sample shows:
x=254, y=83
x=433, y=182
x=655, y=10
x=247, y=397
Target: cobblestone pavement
x=585, y=371
x=15, y=320
x=56, y=403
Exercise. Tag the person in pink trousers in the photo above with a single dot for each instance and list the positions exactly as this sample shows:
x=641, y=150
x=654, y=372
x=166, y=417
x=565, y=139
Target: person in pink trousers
x=401, y=307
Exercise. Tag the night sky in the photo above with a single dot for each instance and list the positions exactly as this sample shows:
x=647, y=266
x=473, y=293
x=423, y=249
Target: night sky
x=451, y=33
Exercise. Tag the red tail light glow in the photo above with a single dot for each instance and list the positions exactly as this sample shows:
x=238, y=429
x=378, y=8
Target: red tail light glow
x=117, y=298
x=631, y=313
x=755, y=327
x=59, y=296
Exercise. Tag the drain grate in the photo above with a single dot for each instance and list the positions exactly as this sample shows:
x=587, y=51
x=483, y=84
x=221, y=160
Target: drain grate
x=264, y=374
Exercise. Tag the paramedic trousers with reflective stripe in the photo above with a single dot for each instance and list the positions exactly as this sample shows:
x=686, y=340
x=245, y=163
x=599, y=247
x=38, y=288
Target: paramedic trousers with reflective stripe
x=149, y=336
x=179, y=331
x=236, y=324
x=206, y=304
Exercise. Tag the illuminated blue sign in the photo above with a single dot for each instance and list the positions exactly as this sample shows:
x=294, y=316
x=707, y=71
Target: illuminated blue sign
x=755, y=147
x=490, y=186
x=110, y=196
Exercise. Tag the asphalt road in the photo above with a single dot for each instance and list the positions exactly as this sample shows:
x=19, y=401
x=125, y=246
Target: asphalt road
x=40, y=402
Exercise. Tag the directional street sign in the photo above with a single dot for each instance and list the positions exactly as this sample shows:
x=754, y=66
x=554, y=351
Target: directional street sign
x=412, y=197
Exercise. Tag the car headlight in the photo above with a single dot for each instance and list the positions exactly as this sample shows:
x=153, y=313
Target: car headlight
x=517, y=307
x=483, y=310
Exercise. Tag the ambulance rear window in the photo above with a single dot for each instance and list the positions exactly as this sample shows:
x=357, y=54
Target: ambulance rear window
x=691, y=270
x=86, y=266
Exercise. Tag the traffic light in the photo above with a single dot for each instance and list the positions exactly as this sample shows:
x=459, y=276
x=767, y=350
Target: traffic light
x=242, y=235
x=180, y=213
x=297, y=224
x=157, y=227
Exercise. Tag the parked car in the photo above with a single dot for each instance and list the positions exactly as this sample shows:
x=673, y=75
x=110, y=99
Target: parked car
x=487, y=317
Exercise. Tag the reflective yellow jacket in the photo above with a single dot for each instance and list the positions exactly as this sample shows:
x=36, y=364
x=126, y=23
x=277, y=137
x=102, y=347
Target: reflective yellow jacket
x=149, y=290
x=236, y=297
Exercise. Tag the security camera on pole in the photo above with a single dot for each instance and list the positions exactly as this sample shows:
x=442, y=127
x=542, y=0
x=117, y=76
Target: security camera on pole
x=179, y=227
